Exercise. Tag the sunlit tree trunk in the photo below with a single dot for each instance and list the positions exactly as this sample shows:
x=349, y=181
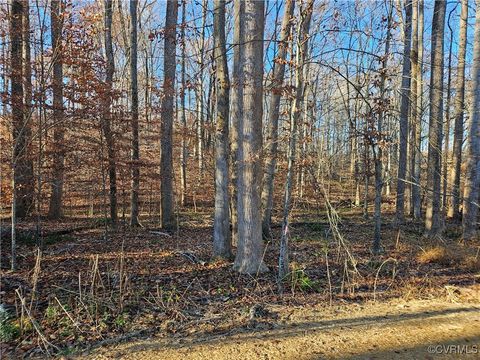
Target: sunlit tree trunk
x=249, y=258
x=184, y=150
x=134, y=206
x=459, y=104
x=273, y=118
x=472, y=180
x=56, y=198
x=404, y=110
x=221, y=227
x=236, y=114
x=166, y=122
x=434, y=219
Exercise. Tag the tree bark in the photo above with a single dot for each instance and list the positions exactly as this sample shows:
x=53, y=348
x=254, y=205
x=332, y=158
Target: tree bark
x=273, y=118
x=107, y=117
x=434, y=219
x=472, y=180
x=166, y=126
x=221, y=228
x=249, y=259
x=184, y=151
x=134, y=210
x=404, y=109
x=56, y=198
x=459, y=104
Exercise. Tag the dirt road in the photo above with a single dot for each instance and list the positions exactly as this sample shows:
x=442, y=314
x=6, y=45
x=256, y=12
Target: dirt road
x=428, y=329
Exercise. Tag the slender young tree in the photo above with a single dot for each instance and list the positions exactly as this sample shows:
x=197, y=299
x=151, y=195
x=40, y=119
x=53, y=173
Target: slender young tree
x=249, y=257
x=417, y=159
x=434, y=219
x=107, y=116
x=301, y=54
x=221, y=226
x=459, y=108
x=56, y=198
x=404, y=110
x=184, y=151
x=134, y=210
x=472, y=180
x=166, y=121
x=276, y=89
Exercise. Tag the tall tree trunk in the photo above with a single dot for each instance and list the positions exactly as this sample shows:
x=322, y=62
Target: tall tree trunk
x=56, y=198
x=199, y=92
x=236, y=110
x=221, y=228
x=273, y=118
x=107, y=117
x=184, y=150
x=249, y=259
x=404, y=110
x=416, y=98
x=459, y=103
x=301, y=53
x=166, y=123
x=134, y=210
x=434, y=218
x=376, y=147
x=472, y=180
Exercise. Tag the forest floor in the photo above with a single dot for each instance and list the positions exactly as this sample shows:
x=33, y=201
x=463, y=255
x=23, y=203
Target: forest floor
x=88, y=292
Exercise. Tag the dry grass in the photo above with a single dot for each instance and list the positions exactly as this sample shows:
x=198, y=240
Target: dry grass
x=463, y=256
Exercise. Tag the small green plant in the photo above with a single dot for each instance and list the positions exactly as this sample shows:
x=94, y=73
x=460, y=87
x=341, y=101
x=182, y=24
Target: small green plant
x=120, y=321
x=8, y=329
x=301, y=281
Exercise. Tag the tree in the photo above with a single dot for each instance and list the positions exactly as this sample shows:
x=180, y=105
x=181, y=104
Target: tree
x=236, y=100
x=56, y=198
x=434, y=218
x=404, y=109
x=459, y=104
x=107, y=116
x=184, y=151
x=221, y=227
x=417, y=110
x=301, y=54
x=472, y=180
x=249, y=258
x=166, y=121
x=273, y=118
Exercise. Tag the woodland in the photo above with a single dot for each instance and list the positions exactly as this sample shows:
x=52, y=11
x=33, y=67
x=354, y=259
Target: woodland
x=239, y=179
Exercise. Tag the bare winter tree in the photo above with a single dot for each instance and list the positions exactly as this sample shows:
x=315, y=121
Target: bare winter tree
x=221, y=226
x=404, y=109
x=56, y=198
x=134, y=210
x=166, y=121
x=301, y=54
x=107, y=116
x=434, y=216
x=249, y=257
x=273, y=118
x=459, y=104
x=472, y=180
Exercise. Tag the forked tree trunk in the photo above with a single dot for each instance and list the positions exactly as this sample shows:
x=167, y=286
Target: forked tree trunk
x=273, y=118
x=249, y=258
x=221, y=226
x=56, y=198
x=434, y=219
x=134, y=210
x=302, y=48
x=166, y=122
x=472, y=180
x=459, y=104
x=404, y=110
